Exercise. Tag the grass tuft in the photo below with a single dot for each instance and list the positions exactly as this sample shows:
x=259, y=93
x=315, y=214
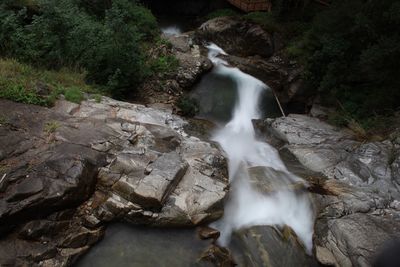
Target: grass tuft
x=51, y=127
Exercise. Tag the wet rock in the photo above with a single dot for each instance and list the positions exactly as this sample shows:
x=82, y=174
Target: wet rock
x=215, y=255
x=285, y=79
x=52, y=240
x=208, y=233
x=267, y=246
x=268, y=180
x=237, y=36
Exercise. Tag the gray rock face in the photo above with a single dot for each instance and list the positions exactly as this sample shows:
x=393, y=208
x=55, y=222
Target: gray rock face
x=237, y=37
x=107, y=161
x=357, y=193
x=151, y=191
x=193, y=63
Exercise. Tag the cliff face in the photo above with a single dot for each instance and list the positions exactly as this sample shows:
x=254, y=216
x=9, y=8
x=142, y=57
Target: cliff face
x=184, y=7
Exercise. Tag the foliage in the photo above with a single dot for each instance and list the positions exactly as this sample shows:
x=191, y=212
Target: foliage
x=188, y=106
x=23, y=83
x=352, y=56
x=62, y=33
x=225, y=12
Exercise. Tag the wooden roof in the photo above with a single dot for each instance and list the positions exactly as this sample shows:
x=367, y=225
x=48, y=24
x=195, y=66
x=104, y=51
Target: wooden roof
x=252, y=5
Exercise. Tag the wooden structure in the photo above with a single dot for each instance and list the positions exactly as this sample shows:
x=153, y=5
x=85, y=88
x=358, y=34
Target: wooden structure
x=252, y=5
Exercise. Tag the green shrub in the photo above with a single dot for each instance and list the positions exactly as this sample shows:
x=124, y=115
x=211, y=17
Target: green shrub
x=351, y=54
x=225, y=12
x=62, y=33
x=188, y=106
x=74, y=94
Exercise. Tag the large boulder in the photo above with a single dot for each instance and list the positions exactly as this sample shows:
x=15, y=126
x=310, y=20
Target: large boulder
x=268, y=246
x=193, y=64
x=165, y=90
x=284, y=77
x=237, y=36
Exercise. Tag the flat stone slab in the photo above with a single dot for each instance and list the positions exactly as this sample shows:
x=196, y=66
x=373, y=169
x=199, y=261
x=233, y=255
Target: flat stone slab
x=151, y=190
x=167, y=171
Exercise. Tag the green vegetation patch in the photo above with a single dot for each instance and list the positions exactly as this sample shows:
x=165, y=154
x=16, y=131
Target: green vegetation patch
x=23, y=83
x=105, y=38
x=51, y=126
x=164, y=64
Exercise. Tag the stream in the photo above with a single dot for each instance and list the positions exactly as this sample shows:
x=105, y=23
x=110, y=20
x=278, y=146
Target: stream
x=263, y=191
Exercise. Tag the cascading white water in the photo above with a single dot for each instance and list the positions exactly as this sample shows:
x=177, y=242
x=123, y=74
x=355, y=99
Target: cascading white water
x=247, y=206
x=171, y=30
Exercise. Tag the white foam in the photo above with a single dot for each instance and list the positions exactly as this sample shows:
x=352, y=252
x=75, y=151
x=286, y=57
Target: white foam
x=171, y=30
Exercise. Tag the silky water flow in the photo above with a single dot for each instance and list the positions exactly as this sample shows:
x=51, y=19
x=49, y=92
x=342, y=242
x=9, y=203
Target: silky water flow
x=279, y=197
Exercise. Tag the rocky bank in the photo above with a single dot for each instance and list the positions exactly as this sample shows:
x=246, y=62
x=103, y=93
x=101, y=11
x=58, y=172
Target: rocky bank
x=68, y=171
x=355, y=186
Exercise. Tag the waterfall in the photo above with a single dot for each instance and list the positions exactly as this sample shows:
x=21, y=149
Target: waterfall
x=285, y=201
